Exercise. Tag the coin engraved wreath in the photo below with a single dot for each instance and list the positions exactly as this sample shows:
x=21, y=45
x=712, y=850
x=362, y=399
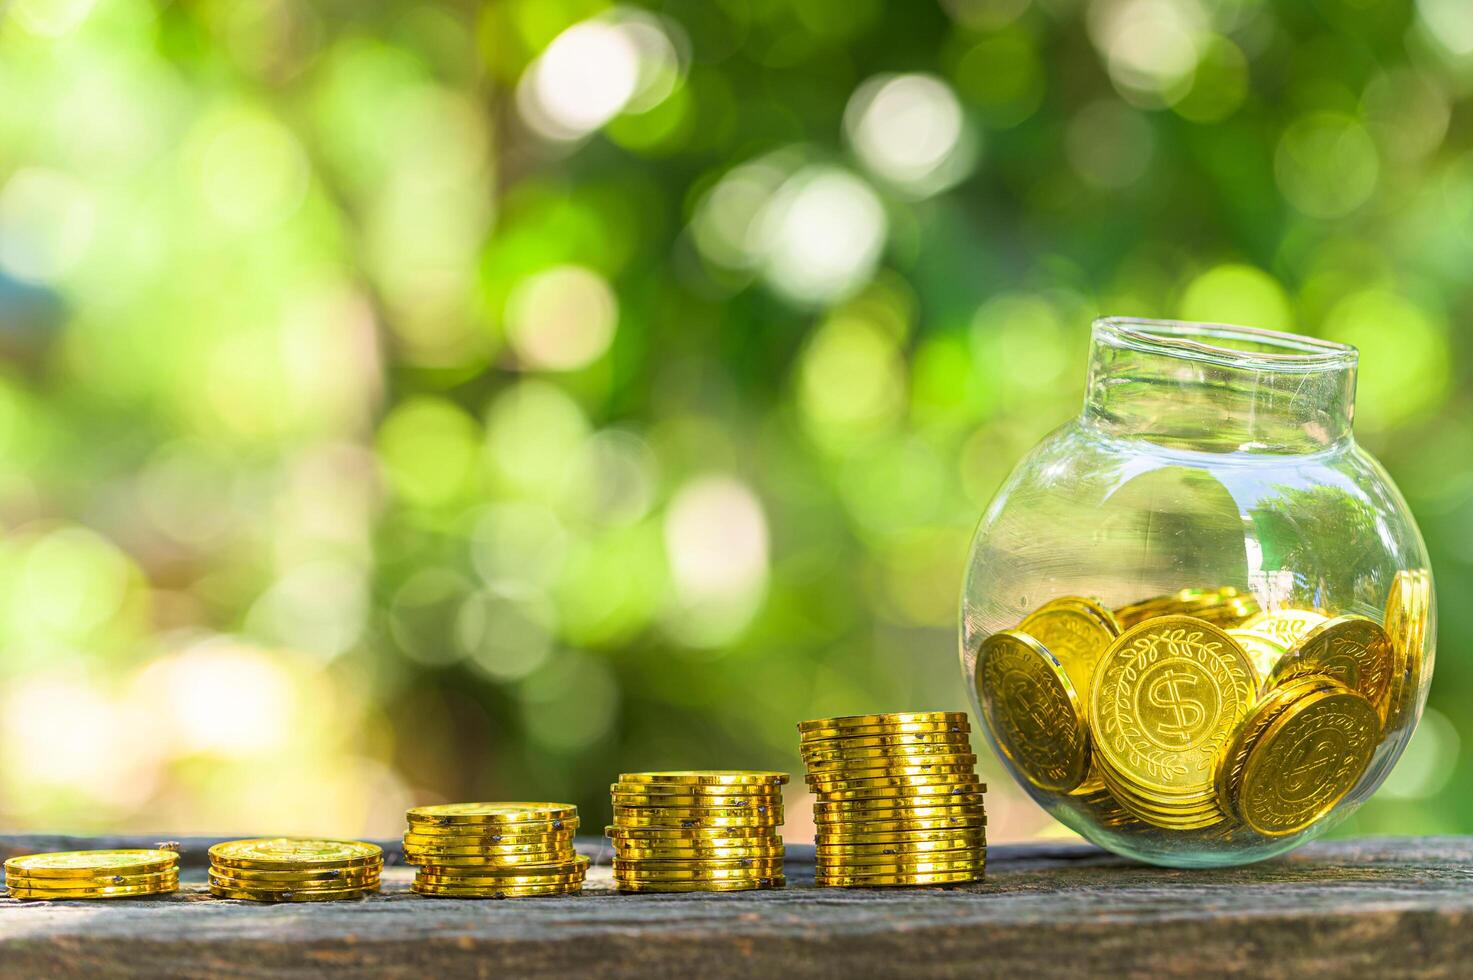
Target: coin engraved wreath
x=1130, y=735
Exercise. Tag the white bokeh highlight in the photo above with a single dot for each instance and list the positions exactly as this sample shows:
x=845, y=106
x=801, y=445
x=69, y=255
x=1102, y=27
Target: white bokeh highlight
x=909, y=130
x=622, y=60
x=821, y=235
x=561, y=319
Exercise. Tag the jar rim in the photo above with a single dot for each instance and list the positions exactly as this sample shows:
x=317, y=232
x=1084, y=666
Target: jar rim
x=1225, y=344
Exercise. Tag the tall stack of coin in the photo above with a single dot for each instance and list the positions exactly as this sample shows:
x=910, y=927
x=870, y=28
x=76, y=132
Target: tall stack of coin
x=92, y=874
x=286, y=869
x=898, y=803
x=494, y=850
x=698, y=830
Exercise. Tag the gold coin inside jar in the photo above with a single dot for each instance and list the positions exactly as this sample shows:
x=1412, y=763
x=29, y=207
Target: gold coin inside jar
x=1308, y=760
x=1168, y=696
x=1033, y=710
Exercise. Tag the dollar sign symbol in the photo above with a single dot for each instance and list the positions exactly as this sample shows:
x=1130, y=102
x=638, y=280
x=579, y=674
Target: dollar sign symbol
x=1186, y=712
x=1022, y=691
x=1304, y=771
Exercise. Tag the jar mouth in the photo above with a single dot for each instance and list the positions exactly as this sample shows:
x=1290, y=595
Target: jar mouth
x=1225, y=344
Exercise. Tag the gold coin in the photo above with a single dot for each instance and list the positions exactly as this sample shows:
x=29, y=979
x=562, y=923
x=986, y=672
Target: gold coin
x=925, y=794
x=492, y=813
x=258, y=895
x=1076, y=632
x=1286, y=627
x=91, y=864
x=149, y=880
x=826, y=737
x=493, y=844
x=1307, y=761
x=715, y=837
x=656, y=832
x=698, y=789
x=519, y=833
x=1194, y=817
x=1408, y=614
x=893, y=849
x=908, y=864
x=1229, y=775
x=1168, y=695
x=450, y=880
x=852, y=722
x=688, y=819
x=257, y=884
x=634, y=853
x=1198, y=801
x=852, y=838
x=639, y=871
x=893, y=765
x=731, y=885
x=885, y=880
x=706, y=777
x=505, y=891
x=493, y=859
x=969, y=813
x=292, y=853
x=337, y=877
x=924, y=807
x=749, y=803
x=1221, y=606
x=911, y=755
x=1352, y=649
x=574, y=863
x=903, y=826
x=622, y=863
x=1264, y=653
x=946, y=740
x=674, y=814
x=901, y=776
x=167, y=880
x=1032, y=710
x=165, y=885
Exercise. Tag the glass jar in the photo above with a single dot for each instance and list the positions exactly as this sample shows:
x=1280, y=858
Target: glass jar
x=1197, y=621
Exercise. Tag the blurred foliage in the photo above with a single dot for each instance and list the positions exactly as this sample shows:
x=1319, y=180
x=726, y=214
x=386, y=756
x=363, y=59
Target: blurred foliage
x=415, y=401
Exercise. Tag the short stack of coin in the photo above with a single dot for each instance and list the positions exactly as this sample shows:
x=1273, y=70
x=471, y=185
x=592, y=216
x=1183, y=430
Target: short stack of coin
x=287, y=869
x=494, y=850
x=698, y=830
x=92, y=874
x=899, y=802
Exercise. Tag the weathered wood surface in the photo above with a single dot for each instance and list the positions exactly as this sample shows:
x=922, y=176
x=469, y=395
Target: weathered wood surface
x=1380, y=907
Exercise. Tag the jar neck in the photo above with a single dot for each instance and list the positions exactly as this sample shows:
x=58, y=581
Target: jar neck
x=1215, y=388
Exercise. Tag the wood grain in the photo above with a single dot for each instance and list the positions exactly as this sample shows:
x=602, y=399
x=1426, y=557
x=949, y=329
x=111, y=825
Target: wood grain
x=1377, y=907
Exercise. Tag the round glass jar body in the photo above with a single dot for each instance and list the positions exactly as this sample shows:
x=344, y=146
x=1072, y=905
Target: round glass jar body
x=1197, y=621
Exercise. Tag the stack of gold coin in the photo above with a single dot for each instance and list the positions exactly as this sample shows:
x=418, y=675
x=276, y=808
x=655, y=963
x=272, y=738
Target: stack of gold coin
x=494, y=850
x=898, y=800
x=92, y=874
x=286, y=869
x=698, y=830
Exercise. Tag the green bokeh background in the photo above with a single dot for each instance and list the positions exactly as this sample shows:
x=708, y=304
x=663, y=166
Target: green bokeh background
x=366, y=440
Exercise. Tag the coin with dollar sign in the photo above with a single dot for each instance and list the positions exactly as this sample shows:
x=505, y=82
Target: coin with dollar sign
x=1168, y=695
x=1032, y=710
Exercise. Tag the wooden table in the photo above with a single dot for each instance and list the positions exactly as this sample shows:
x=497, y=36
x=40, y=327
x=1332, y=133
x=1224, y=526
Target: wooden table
x=1389, y=906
